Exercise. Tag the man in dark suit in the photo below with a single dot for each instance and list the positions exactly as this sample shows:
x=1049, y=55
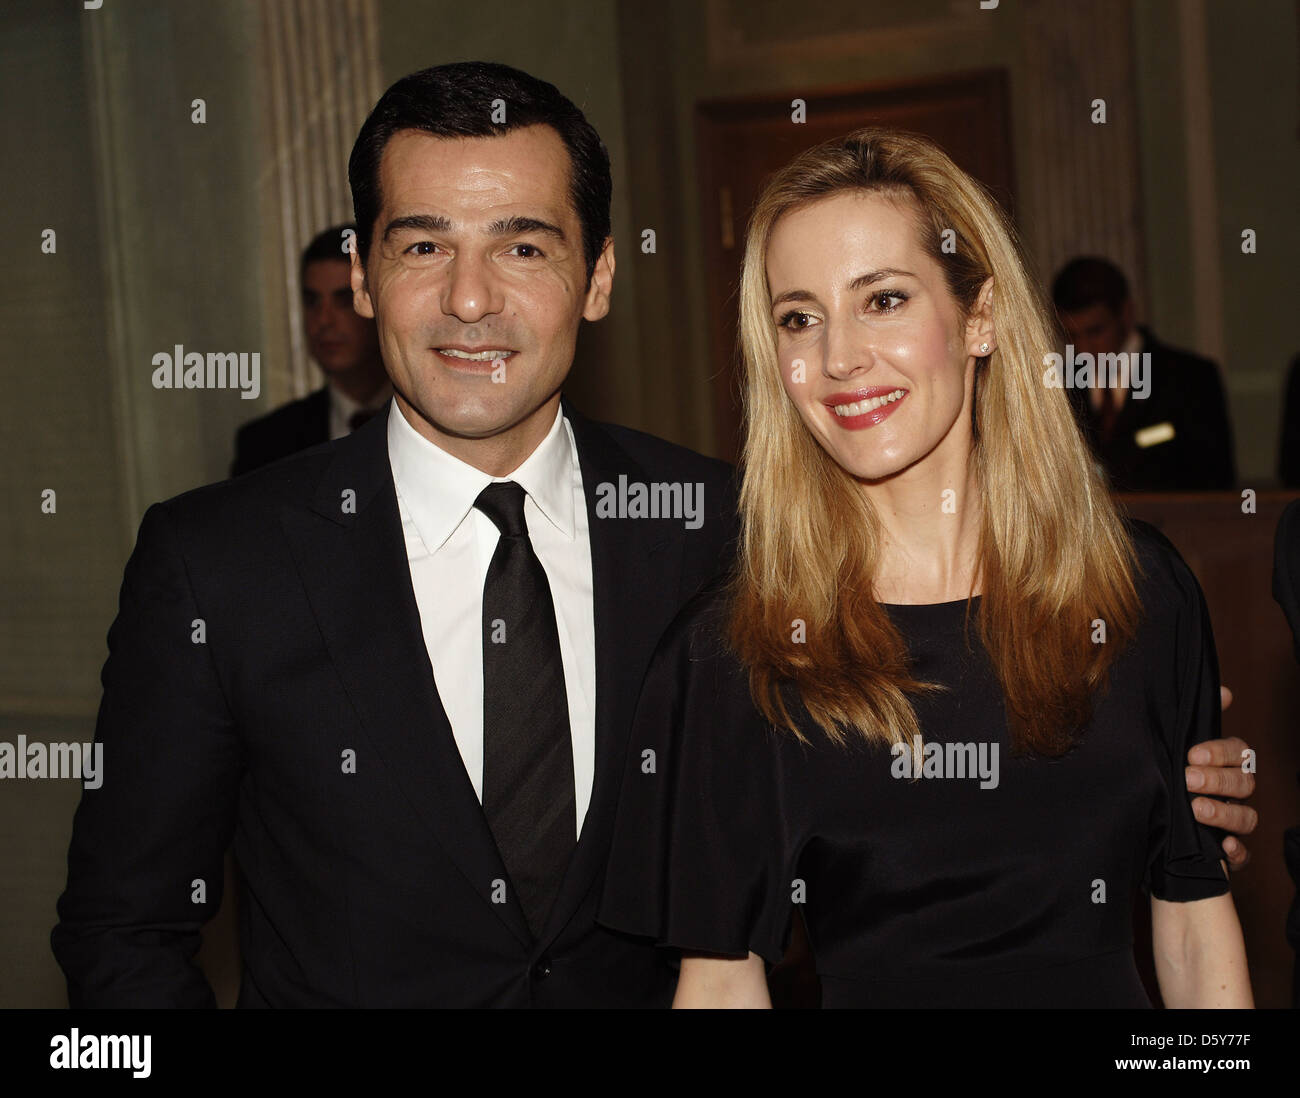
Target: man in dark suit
x=1288, y=459
x=1286, y=590
x=1176, y=435
x=399, y=669
x=346, y=348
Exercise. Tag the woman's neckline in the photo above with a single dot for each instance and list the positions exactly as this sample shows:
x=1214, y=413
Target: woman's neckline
x=928, y=605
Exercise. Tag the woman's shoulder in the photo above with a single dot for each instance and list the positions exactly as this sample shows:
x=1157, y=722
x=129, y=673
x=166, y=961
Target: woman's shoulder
x=699, y=632
x=1165, y=583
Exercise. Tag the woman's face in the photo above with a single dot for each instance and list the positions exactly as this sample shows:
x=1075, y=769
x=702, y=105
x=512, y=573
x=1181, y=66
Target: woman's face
x=874, y=351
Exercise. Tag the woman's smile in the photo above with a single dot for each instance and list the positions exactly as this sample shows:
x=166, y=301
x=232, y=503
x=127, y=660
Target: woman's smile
x=864, y=407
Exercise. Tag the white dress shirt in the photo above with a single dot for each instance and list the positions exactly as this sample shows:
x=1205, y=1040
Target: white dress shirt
x=343, y=407
x=449, y=544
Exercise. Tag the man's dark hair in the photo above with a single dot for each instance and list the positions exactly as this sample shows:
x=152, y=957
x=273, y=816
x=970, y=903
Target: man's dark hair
x=1088, y=281
x=456, y=101
x=326, y=245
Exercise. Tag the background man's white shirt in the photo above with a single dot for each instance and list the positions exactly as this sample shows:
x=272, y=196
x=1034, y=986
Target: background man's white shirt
x=343, y=407
x=1131, y=346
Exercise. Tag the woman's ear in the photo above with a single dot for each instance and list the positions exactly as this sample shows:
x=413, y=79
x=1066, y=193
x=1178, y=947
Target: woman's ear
x=981, y=338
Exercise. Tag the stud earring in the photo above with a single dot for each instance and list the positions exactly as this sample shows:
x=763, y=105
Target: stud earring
x=984, y=347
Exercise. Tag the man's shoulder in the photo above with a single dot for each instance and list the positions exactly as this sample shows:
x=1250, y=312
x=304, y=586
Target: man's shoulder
x=1166, y=584
x=295, y=412
x=660, y=457
x=228, y=508
x=1176, y=358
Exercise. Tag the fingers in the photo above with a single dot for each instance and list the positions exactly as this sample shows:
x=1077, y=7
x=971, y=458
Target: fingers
x=1226, y=752
x=1225, y=697
x=1240, y=819
x=1236, y=853
x=1220, y=781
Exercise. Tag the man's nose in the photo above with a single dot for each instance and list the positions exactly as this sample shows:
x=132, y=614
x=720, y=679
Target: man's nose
x=328, y=315
x=471, y=291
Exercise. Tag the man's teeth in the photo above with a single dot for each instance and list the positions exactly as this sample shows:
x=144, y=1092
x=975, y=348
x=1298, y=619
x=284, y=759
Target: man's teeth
x=862, y=407
x=475, y=356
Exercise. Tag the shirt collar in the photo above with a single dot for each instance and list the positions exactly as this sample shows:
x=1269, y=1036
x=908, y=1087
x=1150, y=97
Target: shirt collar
x=439, y=490
x=345, y=406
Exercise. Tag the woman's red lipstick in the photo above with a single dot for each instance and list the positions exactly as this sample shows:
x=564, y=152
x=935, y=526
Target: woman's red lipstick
x=857, y=420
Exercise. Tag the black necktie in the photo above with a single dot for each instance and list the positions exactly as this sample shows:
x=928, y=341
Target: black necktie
x=1107, y=414
x=528, y=794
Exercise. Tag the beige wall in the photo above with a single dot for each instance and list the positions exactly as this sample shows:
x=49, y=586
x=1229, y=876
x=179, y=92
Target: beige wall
x=155, y=228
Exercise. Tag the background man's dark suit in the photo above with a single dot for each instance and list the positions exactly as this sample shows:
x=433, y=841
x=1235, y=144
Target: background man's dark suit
x=1185, y=392
x=1286, y=590
x=372, y=888
x=295, y=426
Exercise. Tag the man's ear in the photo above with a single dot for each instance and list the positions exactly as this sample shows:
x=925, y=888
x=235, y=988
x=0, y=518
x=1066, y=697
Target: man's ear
x=361, y=302
x=602, y=283
x=980, y=332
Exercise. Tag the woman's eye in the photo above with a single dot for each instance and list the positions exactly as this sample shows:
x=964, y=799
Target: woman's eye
x=886, y=301
x=794, y=321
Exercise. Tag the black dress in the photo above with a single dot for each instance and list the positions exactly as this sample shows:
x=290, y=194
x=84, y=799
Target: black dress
x=1011, y=886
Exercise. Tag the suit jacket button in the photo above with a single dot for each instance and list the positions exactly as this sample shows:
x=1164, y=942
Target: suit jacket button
x=542, y=969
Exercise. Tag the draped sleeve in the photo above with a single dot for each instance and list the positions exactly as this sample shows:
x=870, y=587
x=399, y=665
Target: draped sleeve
x=1184, y=854
x=700, y=854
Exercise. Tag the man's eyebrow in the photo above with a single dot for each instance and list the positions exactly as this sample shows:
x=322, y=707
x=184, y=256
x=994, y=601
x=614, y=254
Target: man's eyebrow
x=423, y=223
x=513, y=226
x=857, y=284
x=506, y=226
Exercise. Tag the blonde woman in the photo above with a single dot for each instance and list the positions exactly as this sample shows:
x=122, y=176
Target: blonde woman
x=945, y=701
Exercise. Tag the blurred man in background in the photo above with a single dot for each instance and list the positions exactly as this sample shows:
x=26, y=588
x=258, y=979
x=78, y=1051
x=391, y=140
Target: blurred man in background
x=346, y=348
x=1176, y=438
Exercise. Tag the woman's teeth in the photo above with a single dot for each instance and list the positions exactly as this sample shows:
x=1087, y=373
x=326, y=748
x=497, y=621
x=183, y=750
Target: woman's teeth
x=475, y=356
x=862, y=407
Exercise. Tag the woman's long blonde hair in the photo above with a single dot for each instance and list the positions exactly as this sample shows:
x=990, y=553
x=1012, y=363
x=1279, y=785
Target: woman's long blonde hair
x=1054, y=554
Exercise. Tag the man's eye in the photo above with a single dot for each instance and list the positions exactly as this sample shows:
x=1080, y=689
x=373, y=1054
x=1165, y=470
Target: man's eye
x=531, y=250
x=412, y=250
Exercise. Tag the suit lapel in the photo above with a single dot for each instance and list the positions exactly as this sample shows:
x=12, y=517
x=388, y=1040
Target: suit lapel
x=353, y=563
x=634, y=563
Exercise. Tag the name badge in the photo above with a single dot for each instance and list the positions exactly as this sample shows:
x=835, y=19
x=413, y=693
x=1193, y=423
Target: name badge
x=1154, y=435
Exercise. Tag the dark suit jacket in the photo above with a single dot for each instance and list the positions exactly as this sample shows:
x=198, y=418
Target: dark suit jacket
x=1288, y=459
x=1186, y=393
x=295, y=426
x=1286, y=590
x=372, y=888
x=1286, y=568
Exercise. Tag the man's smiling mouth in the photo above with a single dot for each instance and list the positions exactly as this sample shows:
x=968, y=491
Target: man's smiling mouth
x=487, y=354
